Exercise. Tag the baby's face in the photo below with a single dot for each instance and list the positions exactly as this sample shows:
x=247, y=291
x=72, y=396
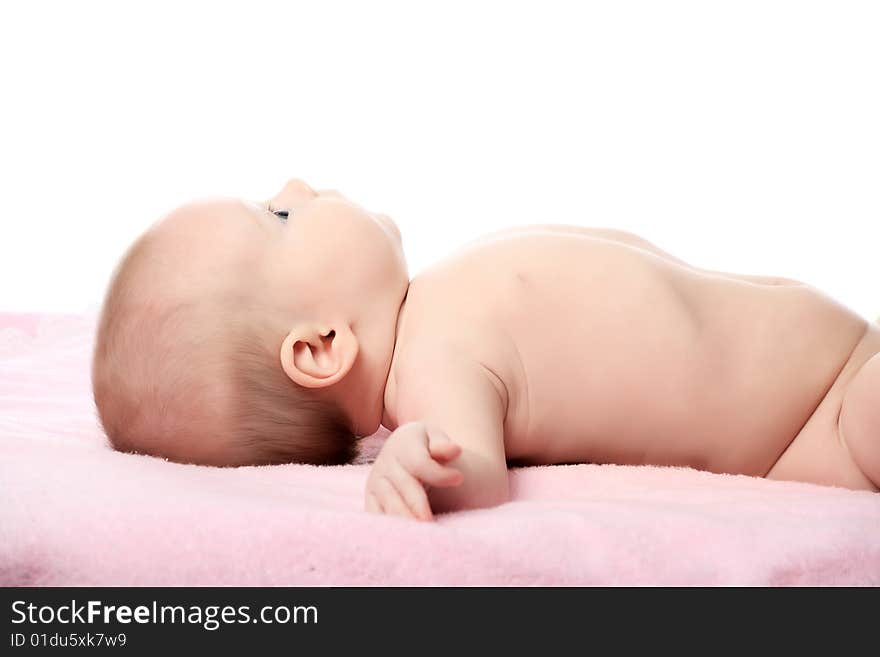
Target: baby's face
x=326, y=253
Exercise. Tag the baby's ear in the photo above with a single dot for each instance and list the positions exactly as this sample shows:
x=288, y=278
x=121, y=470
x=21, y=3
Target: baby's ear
x=317, y=356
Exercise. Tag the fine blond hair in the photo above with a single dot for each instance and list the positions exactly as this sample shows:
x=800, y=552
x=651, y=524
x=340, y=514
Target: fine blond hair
x=168, y=374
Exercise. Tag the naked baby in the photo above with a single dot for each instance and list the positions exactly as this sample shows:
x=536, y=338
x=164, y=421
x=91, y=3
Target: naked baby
x=243, y=333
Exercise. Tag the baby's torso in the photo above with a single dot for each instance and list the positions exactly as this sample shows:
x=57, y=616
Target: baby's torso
x=610, y=354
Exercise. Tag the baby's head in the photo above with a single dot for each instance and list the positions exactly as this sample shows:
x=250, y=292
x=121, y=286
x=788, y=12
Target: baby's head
x=232, y=334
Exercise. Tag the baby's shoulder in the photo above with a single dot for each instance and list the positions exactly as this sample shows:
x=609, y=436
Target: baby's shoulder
x=449, y=342
x=442, y=373
x=446, y=313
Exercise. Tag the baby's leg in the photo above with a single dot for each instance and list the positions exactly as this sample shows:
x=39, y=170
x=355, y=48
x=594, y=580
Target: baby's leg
x=859, y=422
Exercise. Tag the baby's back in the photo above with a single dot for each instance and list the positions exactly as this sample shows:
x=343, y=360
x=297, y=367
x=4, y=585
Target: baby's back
x=611, y=353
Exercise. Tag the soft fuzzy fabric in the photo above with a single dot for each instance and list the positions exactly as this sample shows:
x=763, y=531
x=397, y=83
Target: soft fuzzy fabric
x=73, y=512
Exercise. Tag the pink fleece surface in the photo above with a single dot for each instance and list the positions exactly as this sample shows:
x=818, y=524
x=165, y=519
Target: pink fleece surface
x=73, y=512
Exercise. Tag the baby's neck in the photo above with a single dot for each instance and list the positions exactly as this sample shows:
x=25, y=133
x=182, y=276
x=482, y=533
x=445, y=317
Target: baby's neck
x=390, y=396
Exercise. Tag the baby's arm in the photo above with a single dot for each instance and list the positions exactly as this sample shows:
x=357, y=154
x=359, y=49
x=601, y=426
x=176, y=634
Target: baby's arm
x=455, y=401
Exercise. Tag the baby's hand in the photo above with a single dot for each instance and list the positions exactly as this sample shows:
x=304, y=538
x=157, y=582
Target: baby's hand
x=412, y=459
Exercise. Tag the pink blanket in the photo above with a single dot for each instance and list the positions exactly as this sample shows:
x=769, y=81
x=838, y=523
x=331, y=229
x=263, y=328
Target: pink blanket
x=73, y=512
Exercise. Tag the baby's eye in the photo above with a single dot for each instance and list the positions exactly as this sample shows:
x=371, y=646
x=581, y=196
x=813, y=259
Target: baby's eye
x=281, y=214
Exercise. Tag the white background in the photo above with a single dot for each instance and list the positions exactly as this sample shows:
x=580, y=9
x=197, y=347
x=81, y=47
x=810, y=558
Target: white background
x=738, y=135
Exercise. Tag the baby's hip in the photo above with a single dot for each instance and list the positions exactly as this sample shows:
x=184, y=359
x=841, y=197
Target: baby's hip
x=817, y=454
x=865, y=349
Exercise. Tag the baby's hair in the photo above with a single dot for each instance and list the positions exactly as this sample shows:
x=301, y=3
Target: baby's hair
x=171, y=374
x=278, y=419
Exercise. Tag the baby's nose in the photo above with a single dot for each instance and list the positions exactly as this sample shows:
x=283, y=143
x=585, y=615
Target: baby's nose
x=297, y=186
x=294, y=192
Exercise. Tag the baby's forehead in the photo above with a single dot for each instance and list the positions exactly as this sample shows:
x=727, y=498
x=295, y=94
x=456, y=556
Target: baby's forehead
x=221, y=227
x=205, y=218
x=209, y=239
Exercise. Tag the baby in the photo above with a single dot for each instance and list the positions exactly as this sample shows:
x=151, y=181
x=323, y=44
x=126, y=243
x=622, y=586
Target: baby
x=238, y=333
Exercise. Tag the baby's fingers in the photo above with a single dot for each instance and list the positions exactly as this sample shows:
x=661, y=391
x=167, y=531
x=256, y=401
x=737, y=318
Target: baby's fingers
x=442, y=448
x=432, y=473
x=389, y=498
x=371, y=503
x=412, y=492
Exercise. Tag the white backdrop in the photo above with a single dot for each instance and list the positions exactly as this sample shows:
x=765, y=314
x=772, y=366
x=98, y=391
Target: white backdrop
x=738, y=135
